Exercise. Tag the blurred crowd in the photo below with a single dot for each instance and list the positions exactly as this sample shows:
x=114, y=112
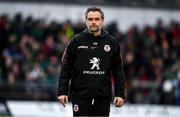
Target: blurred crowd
x=31, y=51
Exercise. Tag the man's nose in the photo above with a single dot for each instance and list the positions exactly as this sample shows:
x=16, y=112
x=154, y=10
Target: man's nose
x=93, y=23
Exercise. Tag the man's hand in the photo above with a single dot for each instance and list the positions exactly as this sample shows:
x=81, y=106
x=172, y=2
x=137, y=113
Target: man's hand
x=63, y=99
x=118, y=101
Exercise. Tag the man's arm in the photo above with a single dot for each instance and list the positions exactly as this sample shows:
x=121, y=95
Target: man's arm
x=65, y=73
x=118, y=75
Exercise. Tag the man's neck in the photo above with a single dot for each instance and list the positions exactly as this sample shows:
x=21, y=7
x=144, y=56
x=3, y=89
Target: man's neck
x=96, y=33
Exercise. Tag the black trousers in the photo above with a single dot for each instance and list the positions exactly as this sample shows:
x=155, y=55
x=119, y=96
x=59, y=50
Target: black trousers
x=91, y=107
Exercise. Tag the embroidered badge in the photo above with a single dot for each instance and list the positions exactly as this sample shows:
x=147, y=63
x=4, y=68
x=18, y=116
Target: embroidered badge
x=107, y=48
x=76, y=108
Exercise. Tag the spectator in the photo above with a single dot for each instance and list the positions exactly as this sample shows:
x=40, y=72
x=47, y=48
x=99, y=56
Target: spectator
x=30, y=49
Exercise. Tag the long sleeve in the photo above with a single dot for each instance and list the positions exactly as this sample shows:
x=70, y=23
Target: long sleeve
x=118, y=72
x=66, y=68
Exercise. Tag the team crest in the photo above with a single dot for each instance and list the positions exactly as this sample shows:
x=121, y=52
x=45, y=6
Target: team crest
x=107, y=48
x=76, y=108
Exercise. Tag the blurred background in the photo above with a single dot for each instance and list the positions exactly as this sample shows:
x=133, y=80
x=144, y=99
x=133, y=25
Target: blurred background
x=34, y=33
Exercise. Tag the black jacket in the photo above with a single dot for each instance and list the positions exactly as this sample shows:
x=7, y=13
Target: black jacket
x=90, y=62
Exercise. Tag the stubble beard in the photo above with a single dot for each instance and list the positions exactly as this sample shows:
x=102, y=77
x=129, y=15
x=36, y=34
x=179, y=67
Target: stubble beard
x=94, y=29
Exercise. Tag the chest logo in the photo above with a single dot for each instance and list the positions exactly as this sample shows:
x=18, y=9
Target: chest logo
x=107, y=48
x=85, y=47
x=95, y=63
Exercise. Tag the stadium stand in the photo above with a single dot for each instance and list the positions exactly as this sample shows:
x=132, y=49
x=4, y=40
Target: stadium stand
x=31, y=50
x=31, y=53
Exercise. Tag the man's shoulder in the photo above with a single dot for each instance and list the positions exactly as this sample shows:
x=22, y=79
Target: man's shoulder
x=78, y=37
x=111, y=38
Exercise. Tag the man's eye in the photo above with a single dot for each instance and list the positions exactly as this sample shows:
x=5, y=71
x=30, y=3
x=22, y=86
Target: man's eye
x=97, y=19
x=90, y=19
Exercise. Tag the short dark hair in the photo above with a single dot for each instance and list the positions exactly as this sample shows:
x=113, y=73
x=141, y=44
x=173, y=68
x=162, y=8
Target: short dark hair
x=94, y=9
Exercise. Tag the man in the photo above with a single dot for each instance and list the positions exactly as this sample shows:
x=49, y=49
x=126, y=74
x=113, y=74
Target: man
x=89, y=62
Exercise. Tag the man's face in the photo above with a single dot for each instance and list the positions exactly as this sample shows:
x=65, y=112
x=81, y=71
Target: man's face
x=94, y=22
